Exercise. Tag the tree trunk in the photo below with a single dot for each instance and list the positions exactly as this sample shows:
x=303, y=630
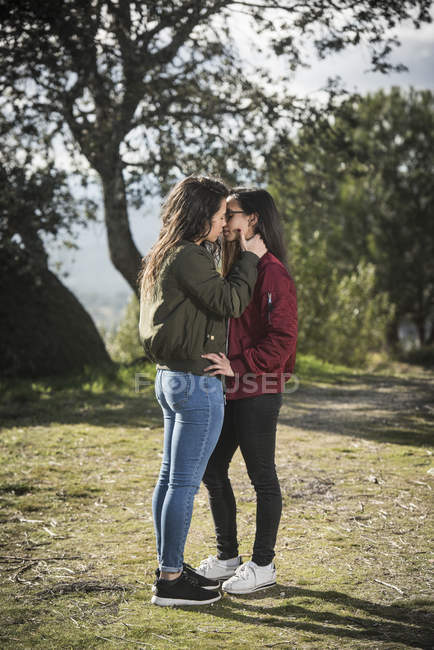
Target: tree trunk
x=430, y=337
x=420, y=324
x=44, y=330
x=392, y=336
x=123, y=252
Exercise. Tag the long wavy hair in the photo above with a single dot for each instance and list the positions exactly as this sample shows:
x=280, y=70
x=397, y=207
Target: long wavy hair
x=186, y=214
x=269, y=226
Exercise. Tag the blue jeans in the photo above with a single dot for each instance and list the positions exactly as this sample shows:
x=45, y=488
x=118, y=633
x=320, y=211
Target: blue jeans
x=193, y=410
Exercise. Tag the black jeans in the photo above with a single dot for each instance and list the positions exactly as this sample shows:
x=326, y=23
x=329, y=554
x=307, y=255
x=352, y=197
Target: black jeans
x=249, y=423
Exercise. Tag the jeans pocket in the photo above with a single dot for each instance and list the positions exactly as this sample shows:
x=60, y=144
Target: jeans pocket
x=177, y=388
x=211, y=386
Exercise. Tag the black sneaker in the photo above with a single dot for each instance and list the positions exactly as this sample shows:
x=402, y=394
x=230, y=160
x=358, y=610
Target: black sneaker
x=184, y=590
x=205, y=583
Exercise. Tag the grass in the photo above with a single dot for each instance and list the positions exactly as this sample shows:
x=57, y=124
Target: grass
x=80, y=457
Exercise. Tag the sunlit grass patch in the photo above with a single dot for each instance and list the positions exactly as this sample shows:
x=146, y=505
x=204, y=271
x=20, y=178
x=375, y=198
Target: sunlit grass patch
x=77, y=549
x=310, y=368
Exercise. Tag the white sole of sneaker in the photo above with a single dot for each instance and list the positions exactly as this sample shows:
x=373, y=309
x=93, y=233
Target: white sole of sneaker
x=249, y=591
x=154, y=588
x=170, y=602
x=222, y=577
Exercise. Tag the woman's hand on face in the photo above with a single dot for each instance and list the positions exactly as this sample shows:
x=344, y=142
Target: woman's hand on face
x=221, y=365
x=254, y=245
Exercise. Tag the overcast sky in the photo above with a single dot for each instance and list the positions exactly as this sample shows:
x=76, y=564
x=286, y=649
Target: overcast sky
x=90, y=270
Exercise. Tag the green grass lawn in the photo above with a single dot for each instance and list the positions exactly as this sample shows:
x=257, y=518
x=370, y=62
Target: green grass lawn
x=79, y=461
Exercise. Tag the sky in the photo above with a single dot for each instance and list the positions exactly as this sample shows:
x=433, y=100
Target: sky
x=92, y=277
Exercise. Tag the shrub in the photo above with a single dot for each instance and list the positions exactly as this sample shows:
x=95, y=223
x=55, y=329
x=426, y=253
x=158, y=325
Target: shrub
x=123, y=343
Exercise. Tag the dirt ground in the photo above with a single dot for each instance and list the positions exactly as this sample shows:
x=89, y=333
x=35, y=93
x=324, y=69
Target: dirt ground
x=354, y=458
x=391, y=409
x=354, y=551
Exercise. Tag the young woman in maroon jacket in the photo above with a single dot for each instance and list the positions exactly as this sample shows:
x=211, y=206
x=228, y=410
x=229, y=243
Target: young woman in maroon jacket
x=260, y=358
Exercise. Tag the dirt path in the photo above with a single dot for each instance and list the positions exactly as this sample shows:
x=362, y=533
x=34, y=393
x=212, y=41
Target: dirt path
x=372, y=407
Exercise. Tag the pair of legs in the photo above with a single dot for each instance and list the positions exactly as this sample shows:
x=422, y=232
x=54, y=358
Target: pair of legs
x=193, y=410
x=249, y=423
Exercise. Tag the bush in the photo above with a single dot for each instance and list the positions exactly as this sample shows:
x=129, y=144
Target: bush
x=358, y=318
x=341, y=316
x=123, y=344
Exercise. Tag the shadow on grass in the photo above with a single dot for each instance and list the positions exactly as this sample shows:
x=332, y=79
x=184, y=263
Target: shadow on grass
x=384, y=409
x=108, y=409
x=410, y=624
x=122, y=395
x=377, y=407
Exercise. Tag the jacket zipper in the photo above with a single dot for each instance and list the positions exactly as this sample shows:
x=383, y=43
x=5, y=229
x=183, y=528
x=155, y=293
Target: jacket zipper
x=227, y=337
x=227, y=352
x=269, y=305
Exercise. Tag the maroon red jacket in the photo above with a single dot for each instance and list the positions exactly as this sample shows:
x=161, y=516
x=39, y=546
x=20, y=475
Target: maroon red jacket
x=262, y=342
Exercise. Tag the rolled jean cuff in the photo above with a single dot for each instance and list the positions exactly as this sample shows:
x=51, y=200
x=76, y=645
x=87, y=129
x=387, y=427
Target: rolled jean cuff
x=170, y=569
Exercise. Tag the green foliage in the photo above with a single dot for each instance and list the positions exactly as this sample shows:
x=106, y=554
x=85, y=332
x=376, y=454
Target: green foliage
x=92, y=382
x=394, y=199
x=36, y=203
x=342, y=317
x=309, y=368
x=33, y=202
x=123, y=343
x=358, y=317
x=171, y=86
x=356, y=190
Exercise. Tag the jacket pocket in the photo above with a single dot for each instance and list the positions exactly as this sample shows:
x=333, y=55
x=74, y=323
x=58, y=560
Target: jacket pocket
x=209, y=339
x=214, y=337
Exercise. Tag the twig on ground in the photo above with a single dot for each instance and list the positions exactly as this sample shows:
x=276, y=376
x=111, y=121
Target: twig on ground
x=6, y=558
x=120, y=638
x=386, y=584
x=53, y=535
x=82, y=585
x=15, y=577
x=160, y=636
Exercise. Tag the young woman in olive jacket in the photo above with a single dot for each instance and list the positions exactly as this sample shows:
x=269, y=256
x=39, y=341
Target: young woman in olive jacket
x=184, y=307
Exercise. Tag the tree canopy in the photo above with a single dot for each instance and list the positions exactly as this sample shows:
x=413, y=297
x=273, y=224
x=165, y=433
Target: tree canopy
x=147, y=91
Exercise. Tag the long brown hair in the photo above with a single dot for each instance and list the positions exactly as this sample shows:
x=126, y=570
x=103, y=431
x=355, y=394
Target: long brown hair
x=269, y=226
x=186, y=214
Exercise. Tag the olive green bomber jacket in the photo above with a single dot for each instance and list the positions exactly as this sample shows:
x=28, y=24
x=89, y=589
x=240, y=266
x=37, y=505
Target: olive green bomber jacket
x=186, y=314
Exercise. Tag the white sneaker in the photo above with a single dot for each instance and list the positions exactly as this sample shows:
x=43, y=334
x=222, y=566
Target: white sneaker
x=215, y=569
x=250, y=577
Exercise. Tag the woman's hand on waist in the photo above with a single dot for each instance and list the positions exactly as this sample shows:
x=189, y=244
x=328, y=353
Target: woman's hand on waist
x=221, y=364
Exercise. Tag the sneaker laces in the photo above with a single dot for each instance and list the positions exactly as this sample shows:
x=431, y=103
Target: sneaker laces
x=242, y=572
x=210, y=561
x=191, y=578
